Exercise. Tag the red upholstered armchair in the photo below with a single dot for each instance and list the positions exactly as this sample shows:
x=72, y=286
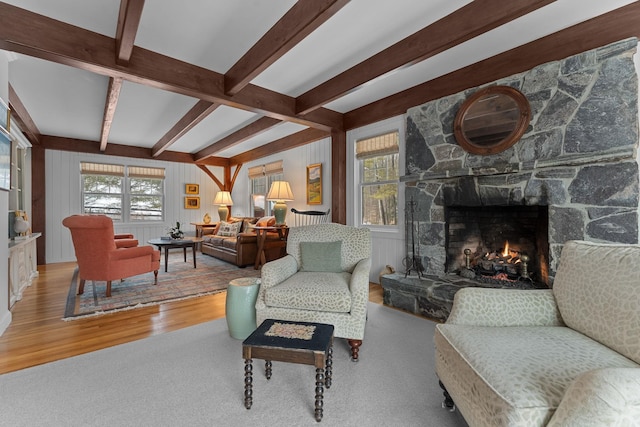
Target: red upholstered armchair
x=98, y=256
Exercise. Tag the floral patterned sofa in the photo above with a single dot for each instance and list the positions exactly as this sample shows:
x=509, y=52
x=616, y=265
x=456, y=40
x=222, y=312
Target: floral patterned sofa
x=324, y=278
x=567, y=356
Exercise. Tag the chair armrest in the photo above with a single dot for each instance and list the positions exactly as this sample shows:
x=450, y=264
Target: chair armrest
x=138, y=251
x=123, y=236
x=278, y=270
x=505, y=307
x=359, y=285
x=126, y=243
x=602, y=397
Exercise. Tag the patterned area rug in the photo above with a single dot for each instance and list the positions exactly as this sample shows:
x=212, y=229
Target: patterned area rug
x=180, y=282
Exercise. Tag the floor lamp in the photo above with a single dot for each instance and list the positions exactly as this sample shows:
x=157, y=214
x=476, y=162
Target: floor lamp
x=223, y=198
x=280, y=192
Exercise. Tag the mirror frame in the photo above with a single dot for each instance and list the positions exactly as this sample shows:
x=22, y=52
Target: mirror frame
x=508, y=141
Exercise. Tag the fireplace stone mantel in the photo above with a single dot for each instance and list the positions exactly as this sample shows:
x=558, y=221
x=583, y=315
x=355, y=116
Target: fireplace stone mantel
x=578, y=157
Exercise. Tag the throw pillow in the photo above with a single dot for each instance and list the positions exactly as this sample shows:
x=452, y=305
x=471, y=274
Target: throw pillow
x=266, y=221
x=228, y=229
x=321, y=256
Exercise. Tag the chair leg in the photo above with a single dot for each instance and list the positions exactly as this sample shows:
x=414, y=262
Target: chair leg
x=108, y=288
x=355, y=348
x=155, y=277
x=81, y=287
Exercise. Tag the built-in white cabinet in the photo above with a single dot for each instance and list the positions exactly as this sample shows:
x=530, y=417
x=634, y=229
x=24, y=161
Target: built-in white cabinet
x=23, y=266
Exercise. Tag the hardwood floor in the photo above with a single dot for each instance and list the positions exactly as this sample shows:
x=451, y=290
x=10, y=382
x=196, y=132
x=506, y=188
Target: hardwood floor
x=38, y=334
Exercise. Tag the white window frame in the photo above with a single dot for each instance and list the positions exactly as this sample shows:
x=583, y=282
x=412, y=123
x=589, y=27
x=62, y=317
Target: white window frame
x=125, y=193
x=270, y=172
x=354, y=170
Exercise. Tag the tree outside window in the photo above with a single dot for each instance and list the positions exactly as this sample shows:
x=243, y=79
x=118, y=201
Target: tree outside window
x=130, y=193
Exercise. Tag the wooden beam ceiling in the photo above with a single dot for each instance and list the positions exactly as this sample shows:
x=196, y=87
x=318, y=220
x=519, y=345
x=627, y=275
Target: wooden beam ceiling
x=70, y=45
x=20, y=114
x=304, y=17
x=600, y=31
x=464, y=24
x=288, y=142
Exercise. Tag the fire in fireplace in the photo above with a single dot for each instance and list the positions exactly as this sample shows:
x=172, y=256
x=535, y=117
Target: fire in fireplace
x=498, y=243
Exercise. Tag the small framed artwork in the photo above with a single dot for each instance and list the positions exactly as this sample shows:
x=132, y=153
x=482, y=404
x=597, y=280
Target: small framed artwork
x=314, y=184
x=192, y=188
x=192, y=202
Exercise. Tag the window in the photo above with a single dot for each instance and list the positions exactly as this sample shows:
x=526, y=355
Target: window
x=260, y=179
x=124, y=193
x=378, y=160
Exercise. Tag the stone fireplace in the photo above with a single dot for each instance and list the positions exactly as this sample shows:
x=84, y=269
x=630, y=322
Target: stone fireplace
x=577, y=163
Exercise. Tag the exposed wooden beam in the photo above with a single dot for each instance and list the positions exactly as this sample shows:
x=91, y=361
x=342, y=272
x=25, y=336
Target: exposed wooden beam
x=128, y=22
x=113, y=93
x=297, y=139
x=304, y=17
x=339, y=177
x=464, y=24
x=20, y=114
x=602, y=30
x=255, y=128
x=42, y=37
x=210, y=174
x=50, y=142
x=194, y=116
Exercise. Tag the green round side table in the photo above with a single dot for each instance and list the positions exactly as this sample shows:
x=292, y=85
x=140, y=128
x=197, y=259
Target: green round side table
x=241, y=306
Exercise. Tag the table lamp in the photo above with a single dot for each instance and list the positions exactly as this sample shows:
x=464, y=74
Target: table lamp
x=280, y=192
x=223, y=198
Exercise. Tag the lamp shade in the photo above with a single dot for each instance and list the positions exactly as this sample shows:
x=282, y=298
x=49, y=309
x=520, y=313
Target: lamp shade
x=280, y=191
x=223, y=198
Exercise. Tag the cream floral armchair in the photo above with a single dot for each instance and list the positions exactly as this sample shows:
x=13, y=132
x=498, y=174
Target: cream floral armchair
x=324, y=278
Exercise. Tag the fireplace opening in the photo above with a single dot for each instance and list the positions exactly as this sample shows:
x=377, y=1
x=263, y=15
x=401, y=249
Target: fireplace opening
x=506, y=245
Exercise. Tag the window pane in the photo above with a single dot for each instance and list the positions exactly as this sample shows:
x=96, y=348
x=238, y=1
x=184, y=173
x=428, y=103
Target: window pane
x=380, y=204
x=380, y=168
x=102, y=184
x=110, y=205
x=146, y=208
x=146, y=186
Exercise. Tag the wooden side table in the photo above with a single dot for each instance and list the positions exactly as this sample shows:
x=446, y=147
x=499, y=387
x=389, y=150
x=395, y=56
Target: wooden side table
x=261, y=232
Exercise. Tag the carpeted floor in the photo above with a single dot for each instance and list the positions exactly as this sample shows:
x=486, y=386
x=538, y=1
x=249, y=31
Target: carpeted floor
x=195, y=377
x=181, y=281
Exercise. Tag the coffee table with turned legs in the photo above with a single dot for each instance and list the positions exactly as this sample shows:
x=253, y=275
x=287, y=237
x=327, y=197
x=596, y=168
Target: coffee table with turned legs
x=294, y=342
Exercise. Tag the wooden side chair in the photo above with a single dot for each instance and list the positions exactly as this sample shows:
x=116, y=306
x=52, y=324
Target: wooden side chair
x=99, y=257
x=302, y=218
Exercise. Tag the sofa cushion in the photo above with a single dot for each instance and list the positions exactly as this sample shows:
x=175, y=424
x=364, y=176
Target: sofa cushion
x=515, y=376
x=597, y=288
x=321, y=256
x=228, y=229
x=323, y=291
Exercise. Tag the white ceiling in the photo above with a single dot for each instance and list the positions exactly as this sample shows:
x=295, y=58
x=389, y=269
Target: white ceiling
x=214, y=34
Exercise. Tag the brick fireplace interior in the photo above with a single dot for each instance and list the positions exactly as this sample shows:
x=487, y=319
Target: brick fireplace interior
x=500, y=241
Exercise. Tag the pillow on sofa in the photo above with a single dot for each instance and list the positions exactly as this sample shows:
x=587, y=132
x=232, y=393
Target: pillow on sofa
x=228, y=229
x=266, y=221
x=321, y=256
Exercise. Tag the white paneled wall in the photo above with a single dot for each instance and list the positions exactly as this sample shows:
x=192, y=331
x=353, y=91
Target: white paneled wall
x=63, y=199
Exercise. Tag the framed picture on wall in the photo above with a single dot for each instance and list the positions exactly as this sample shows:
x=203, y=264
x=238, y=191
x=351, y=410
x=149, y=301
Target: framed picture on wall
x=192, y=188
x=314, y=184
x=192, y=202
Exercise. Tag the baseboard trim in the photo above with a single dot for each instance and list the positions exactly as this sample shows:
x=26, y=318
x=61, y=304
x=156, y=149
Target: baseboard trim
x=5, y=322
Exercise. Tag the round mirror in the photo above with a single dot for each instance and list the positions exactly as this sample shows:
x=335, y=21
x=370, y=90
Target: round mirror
x=492, y=120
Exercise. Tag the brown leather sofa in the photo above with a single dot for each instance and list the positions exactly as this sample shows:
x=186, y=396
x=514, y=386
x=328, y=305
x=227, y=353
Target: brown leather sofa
x=241, y=249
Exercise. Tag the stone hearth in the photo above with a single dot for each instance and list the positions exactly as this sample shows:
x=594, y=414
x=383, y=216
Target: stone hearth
x=578, y=158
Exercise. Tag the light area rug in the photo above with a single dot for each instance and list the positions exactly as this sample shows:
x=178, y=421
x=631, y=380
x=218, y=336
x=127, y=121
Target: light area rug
x=195, y=377
x=182, y=281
